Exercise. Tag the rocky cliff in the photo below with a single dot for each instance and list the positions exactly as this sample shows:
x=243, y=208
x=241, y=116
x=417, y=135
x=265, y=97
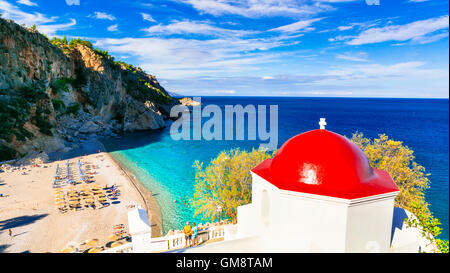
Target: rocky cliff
x=56, y=93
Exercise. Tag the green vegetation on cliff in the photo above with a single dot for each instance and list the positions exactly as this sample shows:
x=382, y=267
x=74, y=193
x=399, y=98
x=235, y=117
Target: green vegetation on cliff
x=16, y=109
x=44, y=82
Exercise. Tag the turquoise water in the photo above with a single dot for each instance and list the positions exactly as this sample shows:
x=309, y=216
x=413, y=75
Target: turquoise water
x=164, y=166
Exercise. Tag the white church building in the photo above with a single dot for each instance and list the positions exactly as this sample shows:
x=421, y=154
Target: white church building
x=317, y=194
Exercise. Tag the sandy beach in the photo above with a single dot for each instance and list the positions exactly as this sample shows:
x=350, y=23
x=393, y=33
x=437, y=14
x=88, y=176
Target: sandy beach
x=28, y=207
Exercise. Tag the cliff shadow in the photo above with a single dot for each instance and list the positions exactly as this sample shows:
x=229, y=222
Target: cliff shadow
x=3, y=248
x=20, y=221
x=111, y=144
x=134, y=140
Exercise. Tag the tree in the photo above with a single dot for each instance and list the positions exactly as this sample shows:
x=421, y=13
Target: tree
x=398, y=160
x=225, y=183
x=33, y=27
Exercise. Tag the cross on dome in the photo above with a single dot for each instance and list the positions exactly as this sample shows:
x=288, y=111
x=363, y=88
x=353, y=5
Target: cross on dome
x=322, y=123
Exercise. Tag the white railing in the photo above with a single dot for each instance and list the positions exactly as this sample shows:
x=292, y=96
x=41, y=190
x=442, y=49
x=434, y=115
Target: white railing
x=171, y=242
x=177, y=241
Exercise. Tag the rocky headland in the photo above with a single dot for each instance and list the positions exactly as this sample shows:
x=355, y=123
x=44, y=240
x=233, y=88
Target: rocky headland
x=57, y=93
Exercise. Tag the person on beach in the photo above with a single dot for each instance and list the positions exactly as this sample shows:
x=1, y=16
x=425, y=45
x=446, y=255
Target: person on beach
x=194, y=234
x=187, y=234
x=10, y=233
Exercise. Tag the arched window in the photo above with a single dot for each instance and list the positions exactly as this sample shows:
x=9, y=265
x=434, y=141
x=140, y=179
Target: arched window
x=265, y=208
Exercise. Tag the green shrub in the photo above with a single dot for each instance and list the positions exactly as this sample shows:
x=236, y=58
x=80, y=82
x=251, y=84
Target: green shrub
x=7, y=153
x=62, y=84
x=58, y=104
x=32, y=93
x=74, y=42
x=73, y=109
x=56, y=41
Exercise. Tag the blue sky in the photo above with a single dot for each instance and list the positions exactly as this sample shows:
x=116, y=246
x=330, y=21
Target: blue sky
x=329, y=48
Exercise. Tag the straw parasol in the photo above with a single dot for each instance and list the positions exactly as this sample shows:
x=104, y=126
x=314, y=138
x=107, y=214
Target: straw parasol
x=116, y=244
x=113, y=237
x=74, y=203
x=95, y=250
x=67, y=249
x=91, y=242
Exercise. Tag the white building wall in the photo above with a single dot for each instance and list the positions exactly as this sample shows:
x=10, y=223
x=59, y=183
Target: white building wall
x=140, y=230
x=369, y=226
x=300, y=222
x=311, y=225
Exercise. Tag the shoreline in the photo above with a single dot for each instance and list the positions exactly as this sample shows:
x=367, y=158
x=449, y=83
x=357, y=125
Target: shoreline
x=29, y=210
x=152, y=206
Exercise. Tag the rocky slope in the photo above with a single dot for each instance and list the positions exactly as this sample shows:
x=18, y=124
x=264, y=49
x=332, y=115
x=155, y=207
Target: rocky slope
x=53, y=96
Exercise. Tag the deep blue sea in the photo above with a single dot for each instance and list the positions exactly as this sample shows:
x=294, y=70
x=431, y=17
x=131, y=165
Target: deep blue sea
x=165, y=166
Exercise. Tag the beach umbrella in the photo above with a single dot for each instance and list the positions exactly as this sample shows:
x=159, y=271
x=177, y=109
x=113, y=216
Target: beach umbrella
x=116, y=244
x=95, y=250
x=113, y=237
x=91, y=242
x=119, y=232
x=67, y=249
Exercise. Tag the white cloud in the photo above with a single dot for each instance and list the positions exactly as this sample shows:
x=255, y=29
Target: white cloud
x=113, y=28
x=357, y=57
x=337, y=1
x=103, y=16
x=73, y=2
x=304, y=25
x=51, y=30
x=193, y=27
x=175, y=57
x=147, y=17
x=343, y=28
x=417, y=30
x=26, y=2
x=413, y=69
x=41, y=21
x=13, y=12
x=405, y=79
x=261, y=8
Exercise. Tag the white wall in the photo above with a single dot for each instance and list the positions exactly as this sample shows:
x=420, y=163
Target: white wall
x=300, y=222
x=369, y=226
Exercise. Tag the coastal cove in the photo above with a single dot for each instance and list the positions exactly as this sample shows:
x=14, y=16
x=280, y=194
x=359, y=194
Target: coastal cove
x=165, y=166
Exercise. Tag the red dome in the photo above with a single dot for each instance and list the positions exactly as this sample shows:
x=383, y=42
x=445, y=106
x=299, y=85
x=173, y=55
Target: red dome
x=324, y=163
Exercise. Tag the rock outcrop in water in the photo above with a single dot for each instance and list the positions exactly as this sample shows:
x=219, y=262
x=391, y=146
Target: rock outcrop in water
x=52, y=95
